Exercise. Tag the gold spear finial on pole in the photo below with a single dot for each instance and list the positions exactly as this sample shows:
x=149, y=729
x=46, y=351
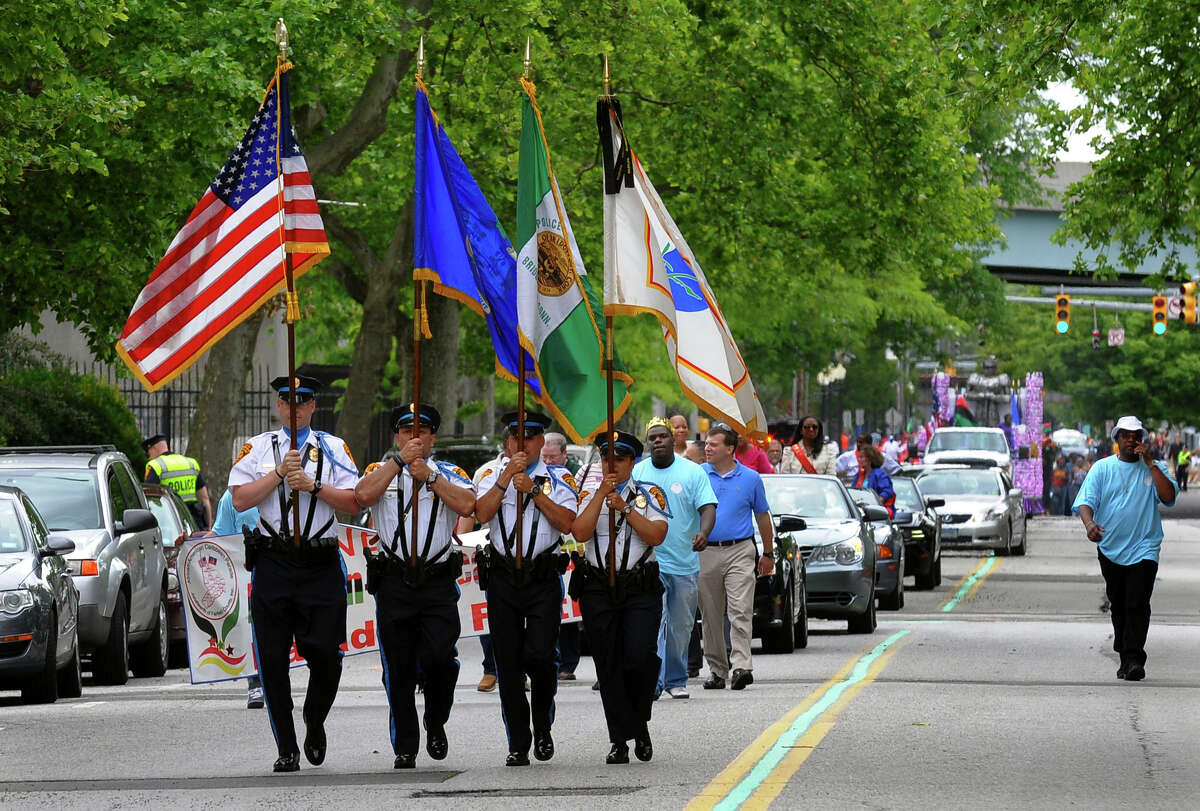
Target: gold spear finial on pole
x=607, y=79
x=281, y=38
x=527, y=62
x=421, y=59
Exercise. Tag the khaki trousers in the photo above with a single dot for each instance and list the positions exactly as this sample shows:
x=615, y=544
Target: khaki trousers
x=727, y=580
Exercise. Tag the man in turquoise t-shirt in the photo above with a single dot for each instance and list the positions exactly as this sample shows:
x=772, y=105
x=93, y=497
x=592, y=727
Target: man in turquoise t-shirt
x=693, y=509
x=1118, y=504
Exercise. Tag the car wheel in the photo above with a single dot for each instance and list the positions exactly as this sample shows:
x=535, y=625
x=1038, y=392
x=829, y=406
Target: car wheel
x=780, y=640
x=43, y=688
x=930, y=578
x=800, y=637
x=937, y=572
x=110, y=665
x=150, y=657
x=1020, y=550
x=178, y=657
x=864, y=623
x=70, y=678
x=895, y=600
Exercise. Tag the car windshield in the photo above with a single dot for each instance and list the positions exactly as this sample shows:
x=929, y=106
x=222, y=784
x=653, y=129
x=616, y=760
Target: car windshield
x=907, y=498
x=806, y=496
x=993, y=441
x=66, y=499
x=12, y=539
x=960, y=483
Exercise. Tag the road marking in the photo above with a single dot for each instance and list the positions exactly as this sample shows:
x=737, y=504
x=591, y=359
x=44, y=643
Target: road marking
x=970, y=583
x=759, y=773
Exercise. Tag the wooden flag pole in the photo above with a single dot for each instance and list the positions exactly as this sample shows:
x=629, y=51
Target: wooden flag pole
x=418, y=316
x=608, y=372
x=292, y=313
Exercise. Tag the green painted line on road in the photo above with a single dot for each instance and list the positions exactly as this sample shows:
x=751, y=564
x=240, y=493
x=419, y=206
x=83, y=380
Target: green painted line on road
x=969, y=583
x=742, y=791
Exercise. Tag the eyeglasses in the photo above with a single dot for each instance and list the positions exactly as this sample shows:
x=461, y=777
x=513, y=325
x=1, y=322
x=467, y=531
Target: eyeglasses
x=811, y=426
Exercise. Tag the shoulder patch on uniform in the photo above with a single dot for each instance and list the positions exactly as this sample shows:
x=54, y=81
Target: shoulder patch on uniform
x=371, y=468
x=583, y=494
x=569, y=479
x=487, y=472
x=245, y=450
x=461, y=472
x=349, y=455
x=660, y=498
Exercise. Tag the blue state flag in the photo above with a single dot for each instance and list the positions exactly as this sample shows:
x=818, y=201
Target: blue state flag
x=459, y=245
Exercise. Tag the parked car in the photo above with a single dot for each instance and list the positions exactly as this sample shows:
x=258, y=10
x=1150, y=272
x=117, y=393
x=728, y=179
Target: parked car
x=836, y=545
x=982, y=508
x=780, y=616
x=921, y=527
x=978, y=447
x=39, y=606
x=177, y=524
x=889, y=553
x=90, y=495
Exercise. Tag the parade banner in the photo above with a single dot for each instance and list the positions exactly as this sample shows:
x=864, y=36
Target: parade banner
x=215, y=587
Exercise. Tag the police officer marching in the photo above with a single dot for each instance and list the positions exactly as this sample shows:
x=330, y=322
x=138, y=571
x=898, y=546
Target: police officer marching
x=622, y=619
x=416, y=598
x=525, y=603
x=298, y=586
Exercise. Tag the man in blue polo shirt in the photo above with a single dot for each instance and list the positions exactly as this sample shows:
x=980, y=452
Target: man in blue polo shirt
x=727, y=564
x=693, y=509
x=1118, y=504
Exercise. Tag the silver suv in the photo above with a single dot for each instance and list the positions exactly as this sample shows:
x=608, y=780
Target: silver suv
x=91, y=495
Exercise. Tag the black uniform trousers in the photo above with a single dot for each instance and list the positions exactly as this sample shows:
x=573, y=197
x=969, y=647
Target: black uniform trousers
x=1129, y=589
x=418, y=626
x=524, y=622
x=623, y=637
x=305, y=602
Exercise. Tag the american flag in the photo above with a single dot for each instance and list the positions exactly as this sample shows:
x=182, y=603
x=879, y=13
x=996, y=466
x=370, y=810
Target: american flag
x=227, y=260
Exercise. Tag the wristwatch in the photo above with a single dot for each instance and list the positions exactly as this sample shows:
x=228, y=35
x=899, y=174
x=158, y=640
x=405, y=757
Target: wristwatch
x=317, y=487
x=770, y=555
x=627, y=509
x=432, y=477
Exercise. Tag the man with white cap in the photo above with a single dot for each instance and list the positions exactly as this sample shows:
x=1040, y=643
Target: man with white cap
x=1118, y=504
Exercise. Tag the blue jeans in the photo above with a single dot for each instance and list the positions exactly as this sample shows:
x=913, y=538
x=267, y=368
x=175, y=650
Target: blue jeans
x=681, y=591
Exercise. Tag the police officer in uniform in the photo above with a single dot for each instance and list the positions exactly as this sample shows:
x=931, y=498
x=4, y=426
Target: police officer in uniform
x=298, y=591
x=416, y=605
x=622, y=620
x=180, y=473
x=525, y=604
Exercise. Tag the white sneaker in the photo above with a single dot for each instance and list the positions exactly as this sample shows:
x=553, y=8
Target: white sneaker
x=677, y=692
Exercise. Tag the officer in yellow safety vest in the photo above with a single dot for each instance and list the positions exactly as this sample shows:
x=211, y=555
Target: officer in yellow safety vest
x=1182, y=461
x=180, y=473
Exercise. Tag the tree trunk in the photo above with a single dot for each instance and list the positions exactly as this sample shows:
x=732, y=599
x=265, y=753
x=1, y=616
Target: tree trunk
x=214, y=428
x=439, y=359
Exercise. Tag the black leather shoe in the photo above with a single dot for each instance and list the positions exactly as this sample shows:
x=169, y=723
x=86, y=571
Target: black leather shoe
x=1135, y=673
x=618, y=754
x=516, y=759
x=436, y=744
x=740, y=679
x=314, y=745
x=714, y=683
x=643, y=748
x=287, y=763
x=543, y=746
x=405, y=762
x=1122, y=670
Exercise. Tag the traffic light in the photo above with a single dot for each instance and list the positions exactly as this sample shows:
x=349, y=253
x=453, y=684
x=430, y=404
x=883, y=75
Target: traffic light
x=1188, y=311
x=1160, y=315
x=1062, y=313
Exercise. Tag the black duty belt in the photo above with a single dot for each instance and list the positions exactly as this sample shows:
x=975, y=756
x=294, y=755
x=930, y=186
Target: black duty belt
x=544, y=567
x=641, y=579
x=385, y=565
x=311, y=551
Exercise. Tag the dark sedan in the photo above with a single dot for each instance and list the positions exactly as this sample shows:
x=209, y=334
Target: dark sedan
x=837, y=546
x=177, y=525
x=921, y=526
x=889, y=553
x=781, y=599
x=39, y=606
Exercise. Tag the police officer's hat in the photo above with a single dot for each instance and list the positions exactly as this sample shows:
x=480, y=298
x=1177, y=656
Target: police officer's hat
x=623, y=444
x=402, y=417
x=305, y=387
x=535, y=423
x=152, y=440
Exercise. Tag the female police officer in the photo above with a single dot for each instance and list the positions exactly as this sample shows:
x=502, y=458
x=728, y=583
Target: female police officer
x=622, y=619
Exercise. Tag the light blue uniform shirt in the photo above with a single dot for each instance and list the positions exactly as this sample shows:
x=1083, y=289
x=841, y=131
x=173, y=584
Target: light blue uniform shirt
x=687, y=490
x=1125, y=502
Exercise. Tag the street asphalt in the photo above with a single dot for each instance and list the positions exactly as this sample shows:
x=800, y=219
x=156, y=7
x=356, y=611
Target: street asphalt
x=996, y=690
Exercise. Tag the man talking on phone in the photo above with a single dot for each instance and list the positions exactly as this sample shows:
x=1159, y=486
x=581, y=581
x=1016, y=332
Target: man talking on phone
x=1118, y=504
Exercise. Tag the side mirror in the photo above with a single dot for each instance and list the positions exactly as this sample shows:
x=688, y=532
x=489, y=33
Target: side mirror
x=135, y=521
x=935, y=502
x=58, y=545
x=1016, y=492
x=790, y=523
x=873, y=513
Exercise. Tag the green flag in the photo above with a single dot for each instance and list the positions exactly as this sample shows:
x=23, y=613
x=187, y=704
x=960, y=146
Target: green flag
x=557, y=316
